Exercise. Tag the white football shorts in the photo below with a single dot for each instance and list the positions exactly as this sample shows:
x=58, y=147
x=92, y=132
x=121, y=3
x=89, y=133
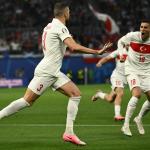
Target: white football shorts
x=142, y=81
x=117, y=80
x=40, y=83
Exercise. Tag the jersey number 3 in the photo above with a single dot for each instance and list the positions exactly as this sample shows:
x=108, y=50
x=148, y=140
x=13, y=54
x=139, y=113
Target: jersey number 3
x=40, y=87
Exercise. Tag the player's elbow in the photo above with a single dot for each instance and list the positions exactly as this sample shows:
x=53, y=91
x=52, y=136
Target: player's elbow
x=71, y=49
x=74, y=48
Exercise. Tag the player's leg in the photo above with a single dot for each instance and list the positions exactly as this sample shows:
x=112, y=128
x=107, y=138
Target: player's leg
x=134, y=84
x=34, y=90
x=110, y=97
x=74, y=99
x=117, y=103
x=145, y=107
x=67, y=87
x=116, y=81
x=138, y=119
x=98, y=95
x=18, y=104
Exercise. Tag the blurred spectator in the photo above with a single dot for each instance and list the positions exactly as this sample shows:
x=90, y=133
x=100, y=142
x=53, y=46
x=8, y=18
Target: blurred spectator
x=24, y=19
x=4, y=47
x=28, y=48
x=15, y=47
x=80, y=76
x=69, y=74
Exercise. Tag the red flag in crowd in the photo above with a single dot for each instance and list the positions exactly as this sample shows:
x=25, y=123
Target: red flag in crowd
x=110, y=25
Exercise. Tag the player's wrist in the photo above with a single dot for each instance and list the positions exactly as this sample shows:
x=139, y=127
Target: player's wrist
x=98, y=52
x=98, y=64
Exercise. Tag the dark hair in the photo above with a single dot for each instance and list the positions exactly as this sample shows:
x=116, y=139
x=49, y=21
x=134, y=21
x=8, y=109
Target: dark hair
x=145, y=21
x=59, y=8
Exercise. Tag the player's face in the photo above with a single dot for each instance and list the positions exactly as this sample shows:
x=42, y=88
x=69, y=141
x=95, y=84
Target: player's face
x=145, y=30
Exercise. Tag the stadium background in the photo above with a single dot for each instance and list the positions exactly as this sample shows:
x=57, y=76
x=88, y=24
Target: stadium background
x=21, y=25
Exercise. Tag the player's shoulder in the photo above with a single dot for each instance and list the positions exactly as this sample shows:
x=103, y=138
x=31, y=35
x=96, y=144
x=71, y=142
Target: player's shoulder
x=57, y=23
x=48, y=26
x=134, y=36
x=59, y=26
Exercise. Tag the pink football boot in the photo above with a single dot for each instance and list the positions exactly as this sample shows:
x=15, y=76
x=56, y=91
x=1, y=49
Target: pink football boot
x=73, y=139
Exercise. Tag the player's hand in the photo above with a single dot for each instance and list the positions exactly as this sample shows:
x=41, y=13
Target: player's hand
x=98, y=64
x=105, y=47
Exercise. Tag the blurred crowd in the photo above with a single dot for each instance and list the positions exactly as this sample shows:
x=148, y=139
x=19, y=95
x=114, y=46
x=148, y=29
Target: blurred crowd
x=22, y=21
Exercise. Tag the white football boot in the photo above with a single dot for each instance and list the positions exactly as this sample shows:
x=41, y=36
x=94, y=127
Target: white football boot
x=139, y=125
x=126, y=130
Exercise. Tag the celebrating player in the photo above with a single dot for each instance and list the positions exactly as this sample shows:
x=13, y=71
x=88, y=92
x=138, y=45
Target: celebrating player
x=137, y=69
x=118, y=80
x=55, y=39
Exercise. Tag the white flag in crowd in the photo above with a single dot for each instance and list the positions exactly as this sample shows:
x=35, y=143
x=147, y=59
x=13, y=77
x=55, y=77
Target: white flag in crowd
x=110, y=25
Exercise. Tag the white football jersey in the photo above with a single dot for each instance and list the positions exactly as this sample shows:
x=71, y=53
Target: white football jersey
x=53, y=48
x=138, y=60
x=119, y=65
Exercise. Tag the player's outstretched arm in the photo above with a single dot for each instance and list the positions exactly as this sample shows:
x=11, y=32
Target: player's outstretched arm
x=73, y=46
x=103, y=61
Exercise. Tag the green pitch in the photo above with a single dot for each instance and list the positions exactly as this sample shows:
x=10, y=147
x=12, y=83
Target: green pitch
x=41, y=126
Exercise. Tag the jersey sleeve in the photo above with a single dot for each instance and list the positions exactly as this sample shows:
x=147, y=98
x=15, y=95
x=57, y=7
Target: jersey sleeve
x=63, y=33
x=125, y=40
x=114, y=54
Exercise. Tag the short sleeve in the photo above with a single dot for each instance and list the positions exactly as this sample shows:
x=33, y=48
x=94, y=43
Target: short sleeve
x=63, y=33
x=125, y=40
x=114, y=54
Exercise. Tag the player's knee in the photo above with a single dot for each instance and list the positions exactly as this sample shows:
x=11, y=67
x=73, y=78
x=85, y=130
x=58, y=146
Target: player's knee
x=109, y=98
x=137, y=92
x=76, y=93
x=120, y=94
x=31, y=103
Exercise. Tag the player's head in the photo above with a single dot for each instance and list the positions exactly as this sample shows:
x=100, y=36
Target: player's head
x=61, y=9
x=145, y=29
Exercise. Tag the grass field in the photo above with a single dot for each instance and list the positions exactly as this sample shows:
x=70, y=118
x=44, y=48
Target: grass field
x=41, y=126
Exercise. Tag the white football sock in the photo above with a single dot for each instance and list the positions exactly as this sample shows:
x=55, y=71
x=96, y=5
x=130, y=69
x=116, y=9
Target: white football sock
x=13, y=107
x=117, y=110
x=72, y=110
x=101, y=95
x=144, y=110
x=130, y=109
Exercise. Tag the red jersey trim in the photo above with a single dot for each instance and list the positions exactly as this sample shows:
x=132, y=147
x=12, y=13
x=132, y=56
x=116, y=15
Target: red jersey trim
x=140, y=48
